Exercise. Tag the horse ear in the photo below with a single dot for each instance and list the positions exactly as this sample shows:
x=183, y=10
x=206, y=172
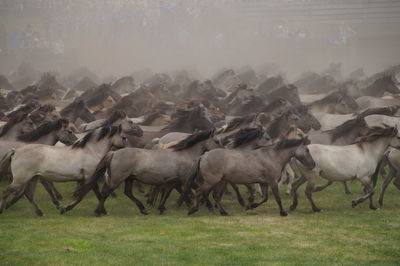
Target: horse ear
x=306, y=141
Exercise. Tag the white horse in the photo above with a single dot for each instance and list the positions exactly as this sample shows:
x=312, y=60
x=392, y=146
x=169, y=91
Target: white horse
x=61, y=164
x=344, y=163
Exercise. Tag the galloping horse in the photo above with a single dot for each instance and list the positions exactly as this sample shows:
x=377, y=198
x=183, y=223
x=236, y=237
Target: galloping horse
x=344, y=163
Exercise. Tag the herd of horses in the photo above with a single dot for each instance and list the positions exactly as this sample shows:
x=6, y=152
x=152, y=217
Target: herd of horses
x=174, y=132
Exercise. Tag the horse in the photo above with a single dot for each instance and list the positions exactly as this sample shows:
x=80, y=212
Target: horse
x=59, y=164
x=365, y=102
x=153, y=167
x=337, y=102
x=48, y=134
x=343, y=163
x=185, y=121
x=384, y=83
x=393, y=159
x=77, y=109
x=263, y=165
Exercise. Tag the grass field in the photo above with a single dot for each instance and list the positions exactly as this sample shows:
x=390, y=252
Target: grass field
x=339, y=235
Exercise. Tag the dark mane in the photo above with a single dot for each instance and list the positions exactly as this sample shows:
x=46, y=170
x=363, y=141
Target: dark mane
x=375, y=133
x=333, y=97
x=181, y=117
x=102, y=133
x=149, y=118
x=276, y=103
x=27, y=108
x=78, y=104
x=287, y=143
x=15, y=119
x=273, y=128
x=192, y=140
x=239, y=121
x=115, y=116
x=389, y=111
x=243, y=136
x=42, y=130
x=345, y=127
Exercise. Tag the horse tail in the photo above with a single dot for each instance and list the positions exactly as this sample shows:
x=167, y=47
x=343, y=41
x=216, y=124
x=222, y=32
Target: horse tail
x=5, y=163
x=101, y=168
x=375, y=175
x=190, y=182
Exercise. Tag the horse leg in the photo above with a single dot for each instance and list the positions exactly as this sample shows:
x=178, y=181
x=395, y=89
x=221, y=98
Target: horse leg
x=54, y=190
x=275, y=191
x=308, y=192
x=369, y=191
x=295, y=186
x=51, y=191
x=389, y=177
x=7, y=192
x=201, y=193
x=128, y=193
x=346, y=188
x=320, y=188
x=139, y=186
x=264, y=189
x=105, y=193
x=29, y=194
x=239, y=196
x=396, y=182
x=74, y=203
x=15, y=199
x=252, y=189
x=166, y=193
x=218, y=197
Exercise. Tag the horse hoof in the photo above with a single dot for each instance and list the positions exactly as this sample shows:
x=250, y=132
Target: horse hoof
x=191, y=211
x=283, y=213
x=224, y=214
x=144, y=212
x=62, y=210
x=317, y=210
x=353, y=204
x=39, y=213
x=372, y=207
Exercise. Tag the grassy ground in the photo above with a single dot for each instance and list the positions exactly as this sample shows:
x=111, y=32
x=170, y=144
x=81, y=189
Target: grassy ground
x=339, y=235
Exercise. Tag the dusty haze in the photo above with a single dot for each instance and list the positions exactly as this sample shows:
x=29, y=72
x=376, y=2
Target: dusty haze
x=200, y=35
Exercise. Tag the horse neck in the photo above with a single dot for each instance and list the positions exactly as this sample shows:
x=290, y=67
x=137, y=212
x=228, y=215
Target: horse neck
x=377, y=148
x=197, y=149
x=11, y=134
x=346, y=139
x=98, y=148
x=282, y=156
x=48, y=139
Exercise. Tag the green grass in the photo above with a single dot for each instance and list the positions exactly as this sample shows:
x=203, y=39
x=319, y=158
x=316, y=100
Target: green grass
x=339, y=235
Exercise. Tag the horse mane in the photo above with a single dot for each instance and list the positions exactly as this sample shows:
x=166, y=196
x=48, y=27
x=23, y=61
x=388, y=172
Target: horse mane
x=47, y=108
x=26, y=108
x=333, y=97
x=345, y=127
x=276, y=103
x=237, y=122
x=375, y=133
x=104, y=131
x=78, y=104
x=181, y=116
x=287, y=143
x=15, y=119
x=191, y=140
x=115, y=116
x=43, y=130
x=243, y=136
x=149, y=118
x=388, y=110
x=273, y=129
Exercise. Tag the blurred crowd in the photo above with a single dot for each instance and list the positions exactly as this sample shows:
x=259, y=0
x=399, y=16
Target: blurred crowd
x=60, y=22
